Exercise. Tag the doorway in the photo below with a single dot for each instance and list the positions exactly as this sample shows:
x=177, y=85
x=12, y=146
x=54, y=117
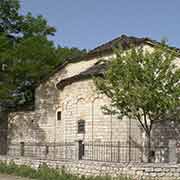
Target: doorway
x=81, y=150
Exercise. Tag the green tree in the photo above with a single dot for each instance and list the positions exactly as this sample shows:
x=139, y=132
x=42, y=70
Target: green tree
x=14, y=24
x=142, y=85
x=26, y=53
x=9, y=16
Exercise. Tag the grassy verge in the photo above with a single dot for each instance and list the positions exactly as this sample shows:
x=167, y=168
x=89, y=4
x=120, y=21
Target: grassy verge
x=45, y=173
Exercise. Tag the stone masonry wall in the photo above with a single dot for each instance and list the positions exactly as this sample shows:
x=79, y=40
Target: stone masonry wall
x=90, y=168
x=46, y=105
x=78, y=101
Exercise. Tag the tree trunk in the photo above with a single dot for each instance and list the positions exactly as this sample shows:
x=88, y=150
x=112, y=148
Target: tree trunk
x=149, y=152
x=149, y=147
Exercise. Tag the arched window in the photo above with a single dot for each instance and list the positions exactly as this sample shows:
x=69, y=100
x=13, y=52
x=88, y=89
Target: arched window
x=81, y=126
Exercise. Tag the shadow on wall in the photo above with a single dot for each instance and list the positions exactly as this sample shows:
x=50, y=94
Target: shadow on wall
x=165, y=143
x=166, y=138
x=3, y=131
x=24, y=127
x=136, y=150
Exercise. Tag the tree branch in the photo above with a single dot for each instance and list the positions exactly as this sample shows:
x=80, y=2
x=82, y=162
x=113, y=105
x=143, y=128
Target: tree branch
x=138, y=116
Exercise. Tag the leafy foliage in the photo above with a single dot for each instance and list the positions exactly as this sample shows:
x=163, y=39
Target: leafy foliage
x=9, y=17
x=142, y=85
x=26, y=53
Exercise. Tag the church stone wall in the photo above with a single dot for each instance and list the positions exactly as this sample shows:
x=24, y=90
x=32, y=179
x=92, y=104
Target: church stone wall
x=81, y=102
x=77, y=101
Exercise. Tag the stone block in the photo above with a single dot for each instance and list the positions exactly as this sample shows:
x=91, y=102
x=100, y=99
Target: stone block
x=157, y=169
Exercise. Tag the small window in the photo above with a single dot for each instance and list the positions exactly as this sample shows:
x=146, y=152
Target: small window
x=59, y=115
x=81, y=126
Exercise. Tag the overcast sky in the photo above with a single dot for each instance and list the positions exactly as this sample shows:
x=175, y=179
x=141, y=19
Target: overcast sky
x=88, y=23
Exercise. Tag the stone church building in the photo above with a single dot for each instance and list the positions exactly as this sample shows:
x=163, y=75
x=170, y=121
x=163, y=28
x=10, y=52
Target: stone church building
x=68, y=110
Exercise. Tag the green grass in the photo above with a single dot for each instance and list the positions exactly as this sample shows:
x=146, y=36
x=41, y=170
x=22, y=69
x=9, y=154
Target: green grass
x=46, y=173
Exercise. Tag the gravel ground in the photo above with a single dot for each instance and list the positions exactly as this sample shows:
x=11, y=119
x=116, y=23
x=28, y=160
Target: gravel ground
x=7, y=177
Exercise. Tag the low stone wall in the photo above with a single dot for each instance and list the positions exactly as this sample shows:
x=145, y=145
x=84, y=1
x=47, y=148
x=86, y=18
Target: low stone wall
x=92, y=168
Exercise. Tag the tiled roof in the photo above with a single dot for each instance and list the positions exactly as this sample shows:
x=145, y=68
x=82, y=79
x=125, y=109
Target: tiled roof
x=107, y=48
x=96, y=70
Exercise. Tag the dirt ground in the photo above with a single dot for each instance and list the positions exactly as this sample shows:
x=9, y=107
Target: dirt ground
x=7, y=177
